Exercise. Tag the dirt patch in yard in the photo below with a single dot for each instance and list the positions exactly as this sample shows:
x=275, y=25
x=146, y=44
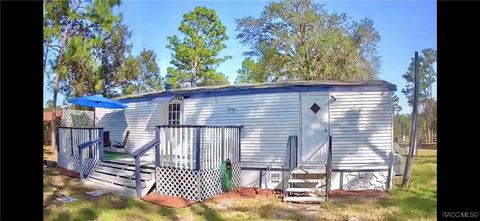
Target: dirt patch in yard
x=169, y=201
x=248, y=192
x=344, y=193
x=68, y=172
x=179, y=202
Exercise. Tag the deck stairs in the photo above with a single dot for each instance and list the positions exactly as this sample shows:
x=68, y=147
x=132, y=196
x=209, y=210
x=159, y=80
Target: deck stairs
x=119, y=176
x=306, y=185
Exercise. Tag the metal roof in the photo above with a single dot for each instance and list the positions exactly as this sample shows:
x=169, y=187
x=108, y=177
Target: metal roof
x=290, y=85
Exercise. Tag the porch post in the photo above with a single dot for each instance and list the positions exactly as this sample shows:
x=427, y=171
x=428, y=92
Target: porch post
x=100, y=148
x=80, y=162
x=90, y=139
x=138, y=186
x=157, y=147
x=71, y=141
x=223, y=143
x=197, y=152
x=239, y=144
x=59, y=140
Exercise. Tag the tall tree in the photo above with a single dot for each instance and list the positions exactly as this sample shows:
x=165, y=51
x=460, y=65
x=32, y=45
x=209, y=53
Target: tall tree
x=112, y=54
x=301, y=40
x=251, y=72
x=426, y=103
x=66, y=27
x=140, y=74
x=396, y=106
x=49, y=104
x=427, y=60
x=196, y=56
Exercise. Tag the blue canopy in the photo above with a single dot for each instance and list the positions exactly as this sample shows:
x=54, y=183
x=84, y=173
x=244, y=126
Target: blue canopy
x=97, y=101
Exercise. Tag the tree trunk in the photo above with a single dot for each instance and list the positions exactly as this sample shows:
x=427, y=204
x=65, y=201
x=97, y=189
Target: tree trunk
x=414, y=133
x=55, y=88
x=193, y=81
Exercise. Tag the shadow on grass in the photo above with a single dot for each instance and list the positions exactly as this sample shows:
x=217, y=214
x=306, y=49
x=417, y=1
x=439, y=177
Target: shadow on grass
x=208, y=213
x=87, y=207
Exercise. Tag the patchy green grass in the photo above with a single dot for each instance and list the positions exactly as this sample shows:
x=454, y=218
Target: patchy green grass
x=417, y=202
x=419, y=199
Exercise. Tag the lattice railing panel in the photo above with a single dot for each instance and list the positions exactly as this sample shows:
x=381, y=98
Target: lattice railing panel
x=185, y=183
x=77, y=118
x=211, y=184
x=177, y=182
x=236, y=174
x=71, y=162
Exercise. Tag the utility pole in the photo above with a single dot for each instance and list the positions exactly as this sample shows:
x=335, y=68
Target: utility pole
x=414, y=134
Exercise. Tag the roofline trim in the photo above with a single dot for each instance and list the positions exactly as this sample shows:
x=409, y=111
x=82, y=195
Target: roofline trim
x=247, y=91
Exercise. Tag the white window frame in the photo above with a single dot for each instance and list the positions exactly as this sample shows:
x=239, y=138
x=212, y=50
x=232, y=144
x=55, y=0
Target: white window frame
x=180, y=112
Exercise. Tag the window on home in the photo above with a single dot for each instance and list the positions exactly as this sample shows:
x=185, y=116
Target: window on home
x=174, y=114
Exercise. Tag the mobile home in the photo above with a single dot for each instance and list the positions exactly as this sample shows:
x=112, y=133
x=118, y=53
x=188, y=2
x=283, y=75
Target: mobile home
x=357, y=116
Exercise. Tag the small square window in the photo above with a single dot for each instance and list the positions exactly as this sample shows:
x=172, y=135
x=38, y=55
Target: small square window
x=174, y=114
x=315, y=108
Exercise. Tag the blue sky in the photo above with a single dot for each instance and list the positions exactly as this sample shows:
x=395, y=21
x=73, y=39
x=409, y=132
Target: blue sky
x=405, y=27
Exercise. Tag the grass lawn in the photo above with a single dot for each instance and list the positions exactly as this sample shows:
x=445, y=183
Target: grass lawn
x=417, y=202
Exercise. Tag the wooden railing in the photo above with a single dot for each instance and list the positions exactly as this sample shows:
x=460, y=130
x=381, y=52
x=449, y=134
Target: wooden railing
x=93, y=152
x=197, y=147
x=290, y=160
x=68, y=138
x=137, y=155
x=76, y=145
x=328, y=168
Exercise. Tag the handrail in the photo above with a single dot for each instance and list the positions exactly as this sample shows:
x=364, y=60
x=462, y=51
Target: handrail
x=145, y=148
x=89, y=143
x=82, y=128
x=136, y=155
x=212, y=126
x=329, y=168
x=289, y=157
x=82, y=146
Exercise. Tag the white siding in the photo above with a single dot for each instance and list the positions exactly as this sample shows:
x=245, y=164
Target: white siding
x=361, y=129
x=140, y=118
x=268, y=120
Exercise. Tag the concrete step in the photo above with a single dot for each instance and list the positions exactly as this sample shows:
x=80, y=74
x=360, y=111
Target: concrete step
x=304, y=199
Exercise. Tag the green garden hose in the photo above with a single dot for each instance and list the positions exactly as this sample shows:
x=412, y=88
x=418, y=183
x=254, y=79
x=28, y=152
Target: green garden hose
x=226, y=176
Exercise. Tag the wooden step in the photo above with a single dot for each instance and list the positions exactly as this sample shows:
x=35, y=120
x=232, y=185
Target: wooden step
x=116, y=180
x=305, y=180
x=131, y=162
x=300, y=190
x=303, y=199
x=126, y=167
x=308, y=171
x=123, y=173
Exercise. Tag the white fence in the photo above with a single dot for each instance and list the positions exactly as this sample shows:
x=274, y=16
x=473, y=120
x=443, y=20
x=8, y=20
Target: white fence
x=189, y=159
x=198, y=147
